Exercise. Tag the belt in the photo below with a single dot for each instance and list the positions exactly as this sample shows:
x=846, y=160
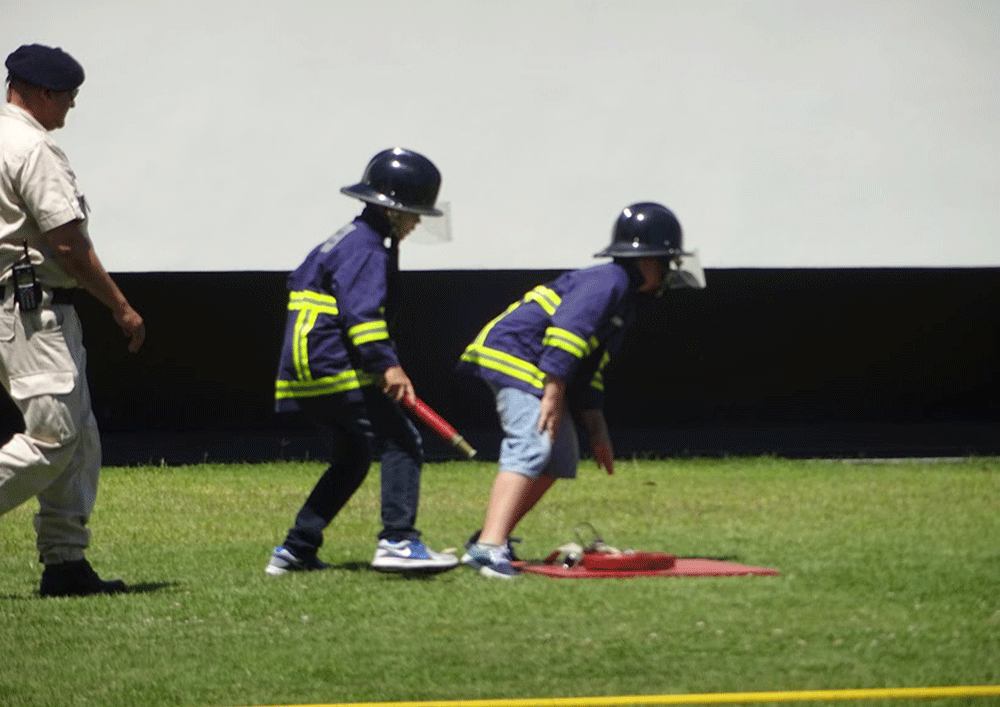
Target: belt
x=60, y=295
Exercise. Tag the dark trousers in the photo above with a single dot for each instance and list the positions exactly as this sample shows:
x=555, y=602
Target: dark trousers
x=356, y=432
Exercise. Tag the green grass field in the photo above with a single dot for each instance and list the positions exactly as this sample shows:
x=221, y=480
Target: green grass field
x=890, y=577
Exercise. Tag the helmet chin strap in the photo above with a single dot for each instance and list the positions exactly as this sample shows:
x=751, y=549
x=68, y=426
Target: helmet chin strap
x=393, y=218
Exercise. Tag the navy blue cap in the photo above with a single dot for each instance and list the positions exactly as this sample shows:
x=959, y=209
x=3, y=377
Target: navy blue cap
x=48, y=67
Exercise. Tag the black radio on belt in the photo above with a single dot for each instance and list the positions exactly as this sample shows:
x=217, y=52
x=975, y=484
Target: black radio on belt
x=27, y=291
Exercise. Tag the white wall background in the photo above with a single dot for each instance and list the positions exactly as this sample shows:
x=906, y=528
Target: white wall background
x=215, y=134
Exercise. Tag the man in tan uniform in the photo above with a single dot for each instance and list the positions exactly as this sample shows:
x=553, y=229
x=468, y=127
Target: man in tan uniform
x=45, y=254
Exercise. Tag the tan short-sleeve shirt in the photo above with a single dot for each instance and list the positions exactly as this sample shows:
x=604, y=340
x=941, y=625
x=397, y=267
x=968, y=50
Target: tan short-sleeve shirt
x=38, y=192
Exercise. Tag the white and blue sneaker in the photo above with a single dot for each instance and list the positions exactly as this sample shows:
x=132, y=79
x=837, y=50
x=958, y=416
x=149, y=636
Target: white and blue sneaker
x=490, y=561
x=510, y=545
x=283, y=561
x=410, y=556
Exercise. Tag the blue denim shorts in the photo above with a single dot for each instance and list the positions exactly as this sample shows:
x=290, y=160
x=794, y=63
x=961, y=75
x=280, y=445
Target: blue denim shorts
x=526, y=451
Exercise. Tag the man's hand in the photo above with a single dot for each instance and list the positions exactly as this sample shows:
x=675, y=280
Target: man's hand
x=396, y=384
x=600, y=441
x=76, y=256
x=133, y=326
x=552, y=407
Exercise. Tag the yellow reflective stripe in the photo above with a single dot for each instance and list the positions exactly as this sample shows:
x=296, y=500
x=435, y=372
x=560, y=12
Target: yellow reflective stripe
x=368, y=331
x=546, y=298
x=566, y=340
x=306, y=299
x=328, y=385
x=505, y=363
x=300, y=342
x=478, y=341
x=309, y=305
x=598, y=380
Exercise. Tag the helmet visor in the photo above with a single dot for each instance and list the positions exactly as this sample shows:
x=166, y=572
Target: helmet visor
x=432, y=231
x=685, y=272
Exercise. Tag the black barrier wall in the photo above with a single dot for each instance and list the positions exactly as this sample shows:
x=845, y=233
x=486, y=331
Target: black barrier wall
x=791, y=362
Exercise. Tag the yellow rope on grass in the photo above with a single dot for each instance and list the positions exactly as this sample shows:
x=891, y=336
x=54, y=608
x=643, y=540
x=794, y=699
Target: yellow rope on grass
x=718, y=698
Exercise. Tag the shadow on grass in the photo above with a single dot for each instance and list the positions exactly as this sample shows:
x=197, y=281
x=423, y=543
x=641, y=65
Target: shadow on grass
x=150, y=587
x=351, y=567
x=138, y=588
x=389, y=574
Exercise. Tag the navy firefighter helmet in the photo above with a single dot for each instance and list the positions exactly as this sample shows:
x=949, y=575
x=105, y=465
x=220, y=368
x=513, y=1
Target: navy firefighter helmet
x=645, y=229
x=399, y=179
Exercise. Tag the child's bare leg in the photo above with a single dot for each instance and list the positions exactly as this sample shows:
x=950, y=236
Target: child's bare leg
x=535, y=491
x=513, y=495
x=505, y=499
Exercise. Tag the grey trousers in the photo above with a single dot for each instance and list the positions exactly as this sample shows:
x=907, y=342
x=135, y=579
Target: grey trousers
x=58, y=457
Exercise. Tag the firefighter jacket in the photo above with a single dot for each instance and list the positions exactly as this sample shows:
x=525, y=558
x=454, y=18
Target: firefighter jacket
x=336, y=337
x=568, y=328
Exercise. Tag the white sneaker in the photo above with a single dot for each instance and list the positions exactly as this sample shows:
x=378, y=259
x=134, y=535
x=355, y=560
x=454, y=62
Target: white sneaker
x=409, y=556
x=490, y=561
x=283, y=561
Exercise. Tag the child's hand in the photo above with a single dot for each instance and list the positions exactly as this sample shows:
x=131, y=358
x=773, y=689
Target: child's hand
x=396, y=384
x=551, y=410
x=600, y=440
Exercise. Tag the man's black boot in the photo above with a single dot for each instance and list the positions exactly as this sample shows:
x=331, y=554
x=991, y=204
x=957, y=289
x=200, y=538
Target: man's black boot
x=76, y=578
